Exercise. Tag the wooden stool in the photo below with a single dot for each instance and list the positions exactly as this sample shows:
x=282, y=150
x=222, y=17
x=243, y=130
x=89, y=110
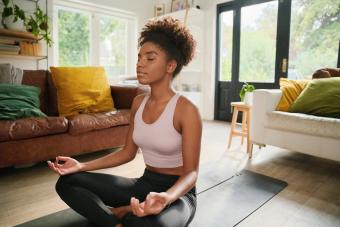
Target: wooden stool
x=245, y=109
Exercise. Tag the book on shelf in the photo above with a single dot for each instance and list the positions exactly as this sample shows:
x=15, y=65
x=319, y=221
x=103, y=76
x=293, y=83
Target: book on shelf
x=8, y=52
x=9, y=49
x=4, y=40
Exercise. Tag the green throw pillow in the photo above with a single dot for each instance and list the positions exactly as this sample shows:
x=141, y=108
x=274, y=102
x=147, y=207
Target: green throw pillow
x=321, y=97
x=19, y=101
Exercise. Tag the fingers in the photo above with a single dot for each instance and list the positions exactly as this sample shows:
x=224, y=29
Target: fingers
x=53, y=167
x=149, y=200
x=63, y=158
x=136, y=207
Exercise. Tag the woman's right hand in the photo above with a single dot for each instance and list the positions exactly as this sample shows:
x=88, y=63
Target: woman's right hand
x=69, y=166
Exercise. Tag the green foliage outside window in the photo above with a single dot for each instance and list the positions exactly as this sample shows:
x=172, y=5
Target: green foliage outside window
x=73, y=38
x=314, y=41
x=113, y=40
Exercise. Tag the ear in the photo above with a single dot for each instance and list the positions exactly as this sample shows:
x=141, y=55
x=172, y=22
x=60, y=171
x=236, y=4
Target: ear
x=172, y=64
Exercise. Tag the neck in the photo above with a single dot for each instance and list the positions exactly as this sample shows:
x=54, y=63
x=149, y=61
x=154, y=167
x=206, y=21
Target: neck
x=160, y=94
x=161, y=91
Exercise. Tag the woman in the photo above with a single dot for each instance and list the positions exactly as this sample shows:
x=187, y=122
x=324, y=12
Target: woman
x=166, y=126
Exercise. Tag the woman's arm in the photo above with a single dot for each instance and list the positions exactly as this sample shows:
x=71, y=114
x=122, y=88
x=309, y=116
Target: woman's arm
x=125, y=155
x=191, y=126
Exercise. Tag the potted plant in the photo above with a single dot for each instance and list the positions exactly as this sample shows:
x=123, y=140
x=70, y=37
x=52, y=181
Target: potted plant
x=37, y=23
x=246, y=93
x=12, y=16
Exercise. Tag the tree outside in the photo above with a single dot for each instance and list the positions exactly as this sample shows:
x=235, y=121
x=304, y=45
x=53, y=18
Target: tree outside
x=74, y=41
x=314, y=40
x=315, y=35
x=113, y=45
x=73, y=38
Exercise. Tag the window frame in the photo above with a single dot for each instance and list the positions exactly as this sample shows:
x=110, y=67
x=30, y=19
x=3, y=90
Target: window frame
x=95, y=12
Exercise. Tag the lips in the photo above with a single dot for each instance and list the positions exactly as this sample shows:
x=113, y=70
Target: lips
x=141, y=74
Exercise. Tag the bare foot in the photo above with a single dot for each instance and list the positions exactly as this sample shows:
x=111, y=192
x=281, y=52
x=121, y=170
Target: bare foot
x=119, y=225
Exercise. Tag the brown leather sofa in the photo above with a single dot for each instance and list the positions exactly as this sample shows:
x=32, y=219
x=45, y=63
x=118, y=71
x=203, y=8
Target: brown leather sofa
x=30, y=140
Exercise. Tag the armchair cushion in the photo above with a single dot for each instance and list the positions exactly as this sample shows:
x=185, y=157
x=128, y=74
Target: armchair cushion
x=291, y=89
x=321, y=98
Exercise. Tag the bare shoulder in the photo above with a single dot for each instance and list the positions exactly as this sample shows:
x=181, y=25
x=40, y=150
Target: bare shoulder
x=137, y=101
x=187, y=108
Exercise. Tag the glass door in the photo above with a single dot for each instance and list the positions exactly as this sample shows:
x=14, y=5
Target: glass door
x=247, y=50
x=259, y=41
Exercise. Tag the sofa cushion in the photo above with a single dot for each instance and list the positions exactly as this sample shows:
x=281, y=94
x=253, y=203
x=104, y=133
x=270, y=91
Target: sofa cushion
x=90, y=122
x=4, y=130
x=321, y=97
x=81, y=90
x=291, y=89
x=304, y=123
x=19, y=101
x=38, y=78
x=37, y=126
x=52, y=97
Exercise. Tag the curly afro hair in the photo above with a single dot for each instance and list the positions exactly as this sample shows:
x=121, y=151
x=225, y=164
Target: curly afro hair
x=171, y=36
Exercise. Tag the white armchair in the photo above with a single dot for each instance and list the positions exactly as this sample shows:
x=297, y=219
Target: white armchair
x=318, y=136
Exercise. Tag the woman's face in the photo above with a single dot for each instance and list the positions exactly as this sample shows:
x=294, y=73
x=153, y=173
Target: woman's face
x=152, y=64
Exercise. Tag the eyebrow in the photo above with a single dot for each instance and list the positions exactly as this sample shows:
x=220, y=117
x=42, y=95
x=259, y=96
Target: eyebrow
x=149, y=52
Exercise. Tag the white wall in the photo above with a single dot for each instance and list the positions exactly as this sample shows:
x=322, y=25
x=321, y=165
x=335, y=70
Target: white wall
x=210, y=8
x=142, y=8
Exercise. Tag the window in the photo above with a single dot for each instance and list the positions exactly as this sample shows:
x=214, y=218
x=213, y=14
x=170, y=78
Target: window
x=258, y=42
x=86, y=35
x=113, y=45
x=73, y=37
x=314, y=39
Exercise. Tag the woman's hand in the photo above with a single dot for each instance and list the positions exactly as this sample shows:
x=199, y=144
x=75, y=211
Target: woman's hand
x=69, y=166
x=153, y=204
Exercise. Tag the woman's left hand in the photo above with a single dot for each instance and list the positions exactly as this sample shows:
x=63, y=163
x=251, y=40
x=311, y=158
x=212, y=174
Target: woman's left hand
x=153, y=204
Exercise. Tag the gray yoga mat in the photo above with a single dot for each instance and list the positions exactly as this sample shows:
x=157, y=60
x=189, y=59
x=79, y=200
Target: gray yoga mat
x=231, y=201
x=223, y=197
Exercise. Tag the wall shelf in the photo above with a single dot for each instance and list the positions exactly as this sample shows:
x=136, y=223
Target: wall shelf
x=30, y=45
x=18, y=34
x=22, y=57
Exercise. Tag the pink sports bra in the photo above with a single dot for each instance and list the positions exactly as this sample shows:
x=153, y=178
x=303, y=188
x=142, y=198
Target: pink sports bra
x=160, y=143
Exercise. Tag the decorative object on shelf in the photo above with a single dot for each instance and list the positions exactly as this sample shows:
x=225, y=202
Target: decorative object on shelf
x=246, y=93
x=159, y=10
x=12, y=16
x=36, y=23
x=179, y=5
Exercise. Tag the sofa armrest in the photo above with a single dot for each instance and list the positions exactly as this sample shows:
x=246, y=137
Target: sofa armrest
x=264, y=101
x=123, y=95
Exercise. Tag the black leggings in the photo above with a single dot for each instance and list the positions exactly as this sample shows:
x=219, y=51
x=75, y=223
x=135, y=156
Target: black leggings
x=90, y=193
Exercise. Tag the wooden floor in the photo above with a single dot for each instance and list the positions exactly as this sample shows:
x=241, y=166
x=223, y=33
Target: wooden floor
x=312, y=197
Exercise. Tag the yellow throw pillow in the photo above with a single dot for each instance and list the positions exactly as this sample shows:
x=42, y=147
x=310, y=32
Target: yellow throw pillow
x=291, y=89
x=81, y=90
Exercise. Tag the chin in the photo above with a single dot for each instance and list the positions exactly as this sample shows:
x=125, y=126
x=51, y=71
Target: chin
x=142, y=81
